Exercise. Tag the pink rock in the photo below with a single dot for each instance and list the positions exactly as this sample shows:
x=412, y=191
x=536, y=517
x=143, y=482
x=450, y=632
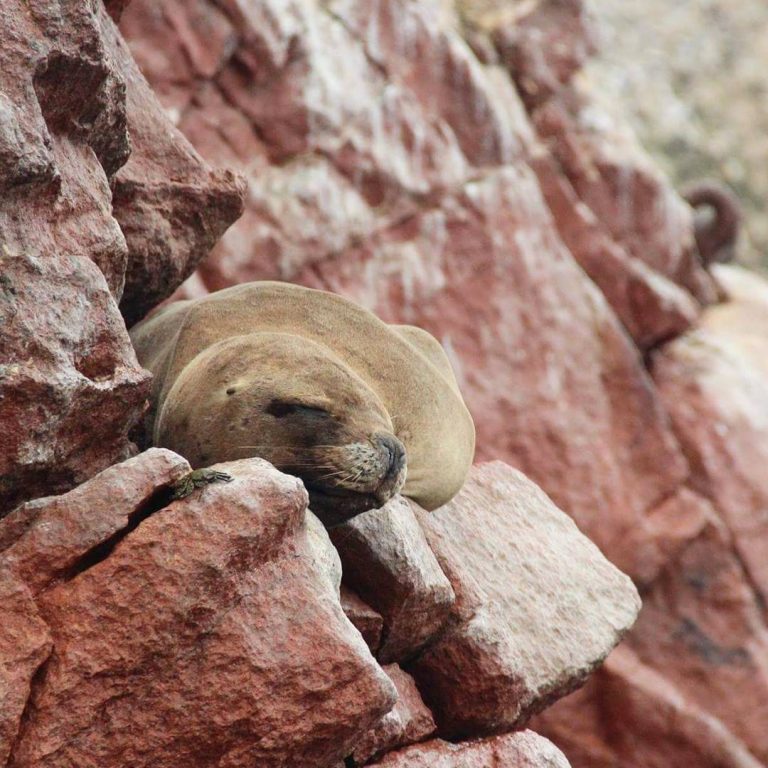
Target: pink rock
x=651, y=307
x=409, y=722
x=624, y=189
x=210, y=634
x=578, y=412
x=537, y=607
x=365, y=620
x=387, y=561
x=70, y=386
x=702, y=628
x=543, y=44
x=172, y=207
x=516, y=750
x=45, y=539
x=630, y=715
x=714, y=383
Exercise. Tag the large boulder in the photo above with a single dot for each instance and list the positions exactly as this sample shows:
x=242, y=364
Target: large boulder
x=205, y=630
x=537, y=607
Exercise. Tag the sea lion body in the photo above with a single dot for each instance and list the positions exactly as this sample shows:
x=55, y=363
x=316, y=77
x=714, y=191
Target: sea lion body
x=300, y=376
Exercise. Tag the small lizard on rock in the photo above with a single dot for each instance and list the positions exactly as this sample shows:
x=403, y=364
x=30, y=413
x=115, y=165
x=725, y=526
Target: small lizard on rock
x=198, y=478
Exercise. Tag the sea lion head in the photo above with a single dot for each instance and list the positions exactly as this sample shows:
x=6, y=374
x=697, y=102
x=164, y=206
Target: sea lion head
x=293, y=402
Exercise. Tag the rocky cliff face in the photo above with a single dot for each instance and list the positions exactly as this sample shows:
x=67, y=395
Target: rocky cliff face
x=445, y=165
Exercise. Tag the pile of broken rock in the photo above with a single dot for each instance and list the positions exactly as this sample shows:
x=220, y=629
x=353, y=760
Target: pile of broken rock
x=141, y=630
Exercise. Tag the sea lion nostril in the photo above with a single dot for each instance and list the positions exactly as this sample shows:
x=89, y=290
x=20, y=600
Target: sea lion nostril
x=395, y=452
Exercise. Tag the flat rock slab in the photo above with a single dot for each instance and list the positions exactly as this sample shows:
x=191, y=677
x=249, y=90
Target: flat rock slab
x=515, y=750
x=537, y=606
x=387, y=561
x=211, y=635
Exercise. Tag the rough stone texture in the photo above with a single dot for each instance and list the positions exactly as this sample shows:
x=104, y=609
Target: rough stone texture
x=518, y=750
x=71, y=102
x=630, y=715
x=714, y=383
x=365, y=620
x=171, y=206
x=25, y=644
x=703, y=628
x=409, y=722
x=387, y=561
x=512, y=650
x=44, y=539
x=211, y=633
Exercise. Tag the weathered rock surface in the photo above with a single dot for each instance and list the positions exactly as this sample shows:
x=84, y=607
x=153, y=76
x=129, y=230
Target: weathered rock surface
x=518, y=750
x=703, y=628
x=714, y=383
x=387, y=561
x=424, y=207
x=44, y=539
x=25, y=644
x=630, y=715
x=210, y=633
x=171, y=206
x=408, y=722
x=71, y=104
x=537, y=607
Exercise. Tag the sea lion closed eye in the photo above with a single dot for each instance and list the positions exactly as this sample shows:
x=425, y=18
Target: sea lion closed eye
x=315, y=384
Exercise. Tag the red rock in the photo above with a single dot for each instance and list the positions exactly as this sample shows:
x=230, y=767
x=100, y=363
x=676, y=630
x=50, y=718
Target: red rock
x=365, y=620
x=651, y=307
x=172, y=207
x=510, y=651
x=210, y=634
x=517, y=750
x=630, y=715
x=45, y=539
x=387, y=561
x=409, y=722
x=714, y=383
x=702, y=628
x=70, y=386
x=627, y=193
x=25, y=644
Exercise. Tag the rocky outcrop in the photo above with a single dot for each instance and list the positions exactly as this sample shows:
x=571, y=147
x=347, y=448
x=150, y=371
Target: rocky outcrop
x=442, y=164
x=205, y=630
x=139, y=628
x=72, y=106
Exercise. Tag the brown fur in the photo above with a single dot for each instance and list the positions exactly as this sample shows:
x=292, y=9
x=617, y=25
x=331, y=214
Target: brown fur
x=313, y=383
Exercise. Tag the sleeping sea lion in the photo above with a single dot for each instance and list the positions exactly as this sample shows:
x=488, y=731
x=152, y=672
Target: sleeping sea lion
x=313, y=383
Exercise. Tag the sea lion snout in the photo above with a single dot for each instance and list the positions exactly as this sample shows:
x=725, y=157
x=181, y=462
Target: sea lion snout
x=395, y=466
